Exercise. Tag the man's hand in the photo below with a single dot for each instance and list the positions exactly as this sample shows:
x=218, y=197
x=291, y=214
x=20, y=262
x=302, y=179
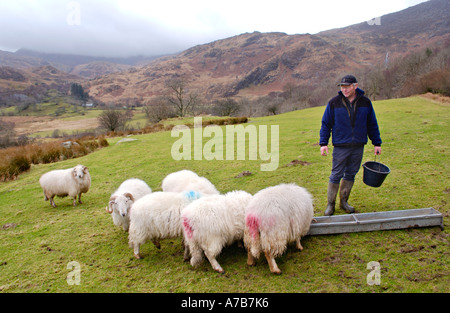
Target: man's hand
x=377, y=150
x=324, y=150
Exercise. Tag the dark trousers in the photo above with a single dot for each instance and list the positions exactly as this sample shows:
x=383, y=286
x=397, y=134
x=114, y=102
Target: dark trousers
x=346, y=163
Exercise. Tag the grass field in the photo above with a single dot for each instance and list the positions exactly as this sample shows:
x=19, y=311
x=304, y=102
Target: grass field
x=38, y=242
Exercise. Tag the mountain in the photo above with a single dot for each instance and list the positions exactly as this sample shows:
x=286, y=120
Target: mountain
x=81, y=65
x=34, y=76
x=98, y=68
x=255, y=64
x=13, y=60
x=397, y=33
x=34, y=84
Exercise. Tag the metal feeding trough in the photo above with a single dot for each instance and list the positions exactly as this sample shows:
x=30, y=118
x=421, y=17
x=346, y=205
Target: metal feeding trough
x=361, y=222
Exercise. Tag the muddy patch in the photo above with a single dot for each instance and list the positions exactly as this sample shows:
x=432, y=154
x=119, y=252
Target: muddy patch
x=297, y=162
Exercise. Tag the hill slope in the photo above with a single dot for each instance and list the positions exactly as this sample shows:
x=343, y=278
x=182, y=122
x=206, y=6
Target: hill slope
x=258, y=63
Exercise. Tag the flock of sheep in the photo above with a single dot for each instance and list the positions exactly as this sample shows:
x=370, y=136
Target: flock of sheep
x=190, y=206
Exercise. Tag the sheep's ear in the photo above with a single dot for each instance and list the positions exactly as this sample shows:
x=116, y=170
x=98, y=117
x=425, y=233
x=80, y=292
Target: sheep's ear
x=74, y=172
x=85, y=169
x=129, y=196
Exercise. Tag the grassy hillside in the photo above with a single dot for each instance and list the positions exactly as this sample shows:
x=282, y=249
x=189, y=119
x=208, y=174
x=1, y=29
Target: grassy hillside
x=36, y=249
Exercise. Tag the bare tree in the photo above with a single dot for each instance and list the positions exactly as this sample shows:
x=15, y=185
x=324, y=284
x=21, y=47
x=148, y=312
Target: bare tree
x=288, y=90
x=159, y=109
x=182, y=101
x=113, y=120
x=7, y=134
x=226, y=107
x=248, y=107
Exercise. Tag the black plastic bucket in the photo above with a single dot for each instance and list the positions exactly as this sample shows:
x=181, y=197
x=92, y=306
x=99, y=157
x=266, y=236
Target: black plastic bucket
x=374, y=173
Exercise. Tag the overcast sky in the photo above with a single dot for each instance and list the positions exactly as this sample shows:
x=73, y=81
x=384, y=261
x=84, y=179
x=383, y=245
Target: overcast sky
x=131, y=27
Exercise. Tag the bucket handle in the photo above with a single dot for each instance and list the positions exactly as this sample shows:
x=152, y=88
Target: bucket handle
x=379, y=163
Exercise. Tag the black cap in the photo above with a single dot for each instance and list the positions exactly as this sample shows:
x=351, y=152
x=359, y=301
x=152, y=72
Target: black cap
x=348, y=80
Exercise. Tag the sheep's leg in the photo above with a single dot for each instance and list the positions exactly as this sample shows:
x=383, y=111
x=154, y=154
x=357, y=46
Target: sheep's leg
x=298, y=244
x=74, y=201
x=215, y=265
x=52, y=202
x=196, y=254
x=126, y=225
x=79, y=198
x=250, y=259
x=272, y=264
x=136, y=251
x=45, y=197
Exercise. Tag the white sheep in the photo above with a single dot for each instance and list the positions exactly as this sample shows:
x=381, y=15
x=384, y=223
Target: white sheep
x=276, y=216
x=122, y=199
x=157, y=216
x=69, y=182
x=186, y=180
x=213, y=222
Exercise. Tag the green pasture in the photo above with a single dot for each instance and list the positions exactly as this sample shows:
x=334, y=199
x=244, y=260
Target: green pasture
x=38, y=242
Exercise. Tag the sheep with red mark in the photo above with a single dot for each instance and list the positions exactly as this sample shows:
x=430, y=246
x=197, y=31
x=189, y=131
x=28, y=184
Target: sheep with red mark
x=276, y=216
x=213, y=222
x=68, y=182
x=156, y=216
x=123, y=198
x=186, y=180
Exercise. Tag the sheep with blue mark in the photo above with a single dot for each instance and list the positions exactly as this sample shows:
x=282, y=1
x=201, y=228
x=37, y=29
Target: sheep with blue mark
x=186, y=180
x=156, y=216
x=213, y=222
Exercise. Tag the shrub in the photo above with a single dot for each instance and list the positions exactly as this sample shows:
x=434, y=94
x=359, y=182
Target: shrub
x=103, y=142
x=51, y=153
x=18, y=164
x=14, y=162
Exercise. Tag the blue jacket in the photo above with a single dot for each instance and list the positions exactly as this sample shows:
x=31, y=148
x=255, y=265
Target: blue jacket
x=347, y=130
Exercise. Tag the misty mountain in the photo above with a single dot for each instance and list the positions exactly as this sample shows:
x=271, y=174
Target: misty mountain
x=84, y=66
x=256, y=64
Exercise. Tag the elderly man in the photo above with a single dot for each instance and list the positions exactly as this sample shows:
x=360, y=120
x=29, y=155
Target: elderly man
x=350, y=119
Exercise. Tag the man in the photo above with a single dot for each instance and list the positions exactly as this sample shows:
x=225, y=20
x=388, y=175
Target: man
x=350, y=118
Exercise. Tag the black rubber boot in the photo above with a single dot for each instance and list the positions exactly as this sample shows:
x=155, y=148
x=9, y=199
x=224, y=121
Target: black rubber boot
x=331, y=194
x=346, y=187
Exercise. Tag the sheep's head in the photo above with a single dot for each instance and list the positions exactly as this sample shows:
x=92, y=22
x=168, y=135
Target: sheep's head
x=121, y=203
x=79, y=172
